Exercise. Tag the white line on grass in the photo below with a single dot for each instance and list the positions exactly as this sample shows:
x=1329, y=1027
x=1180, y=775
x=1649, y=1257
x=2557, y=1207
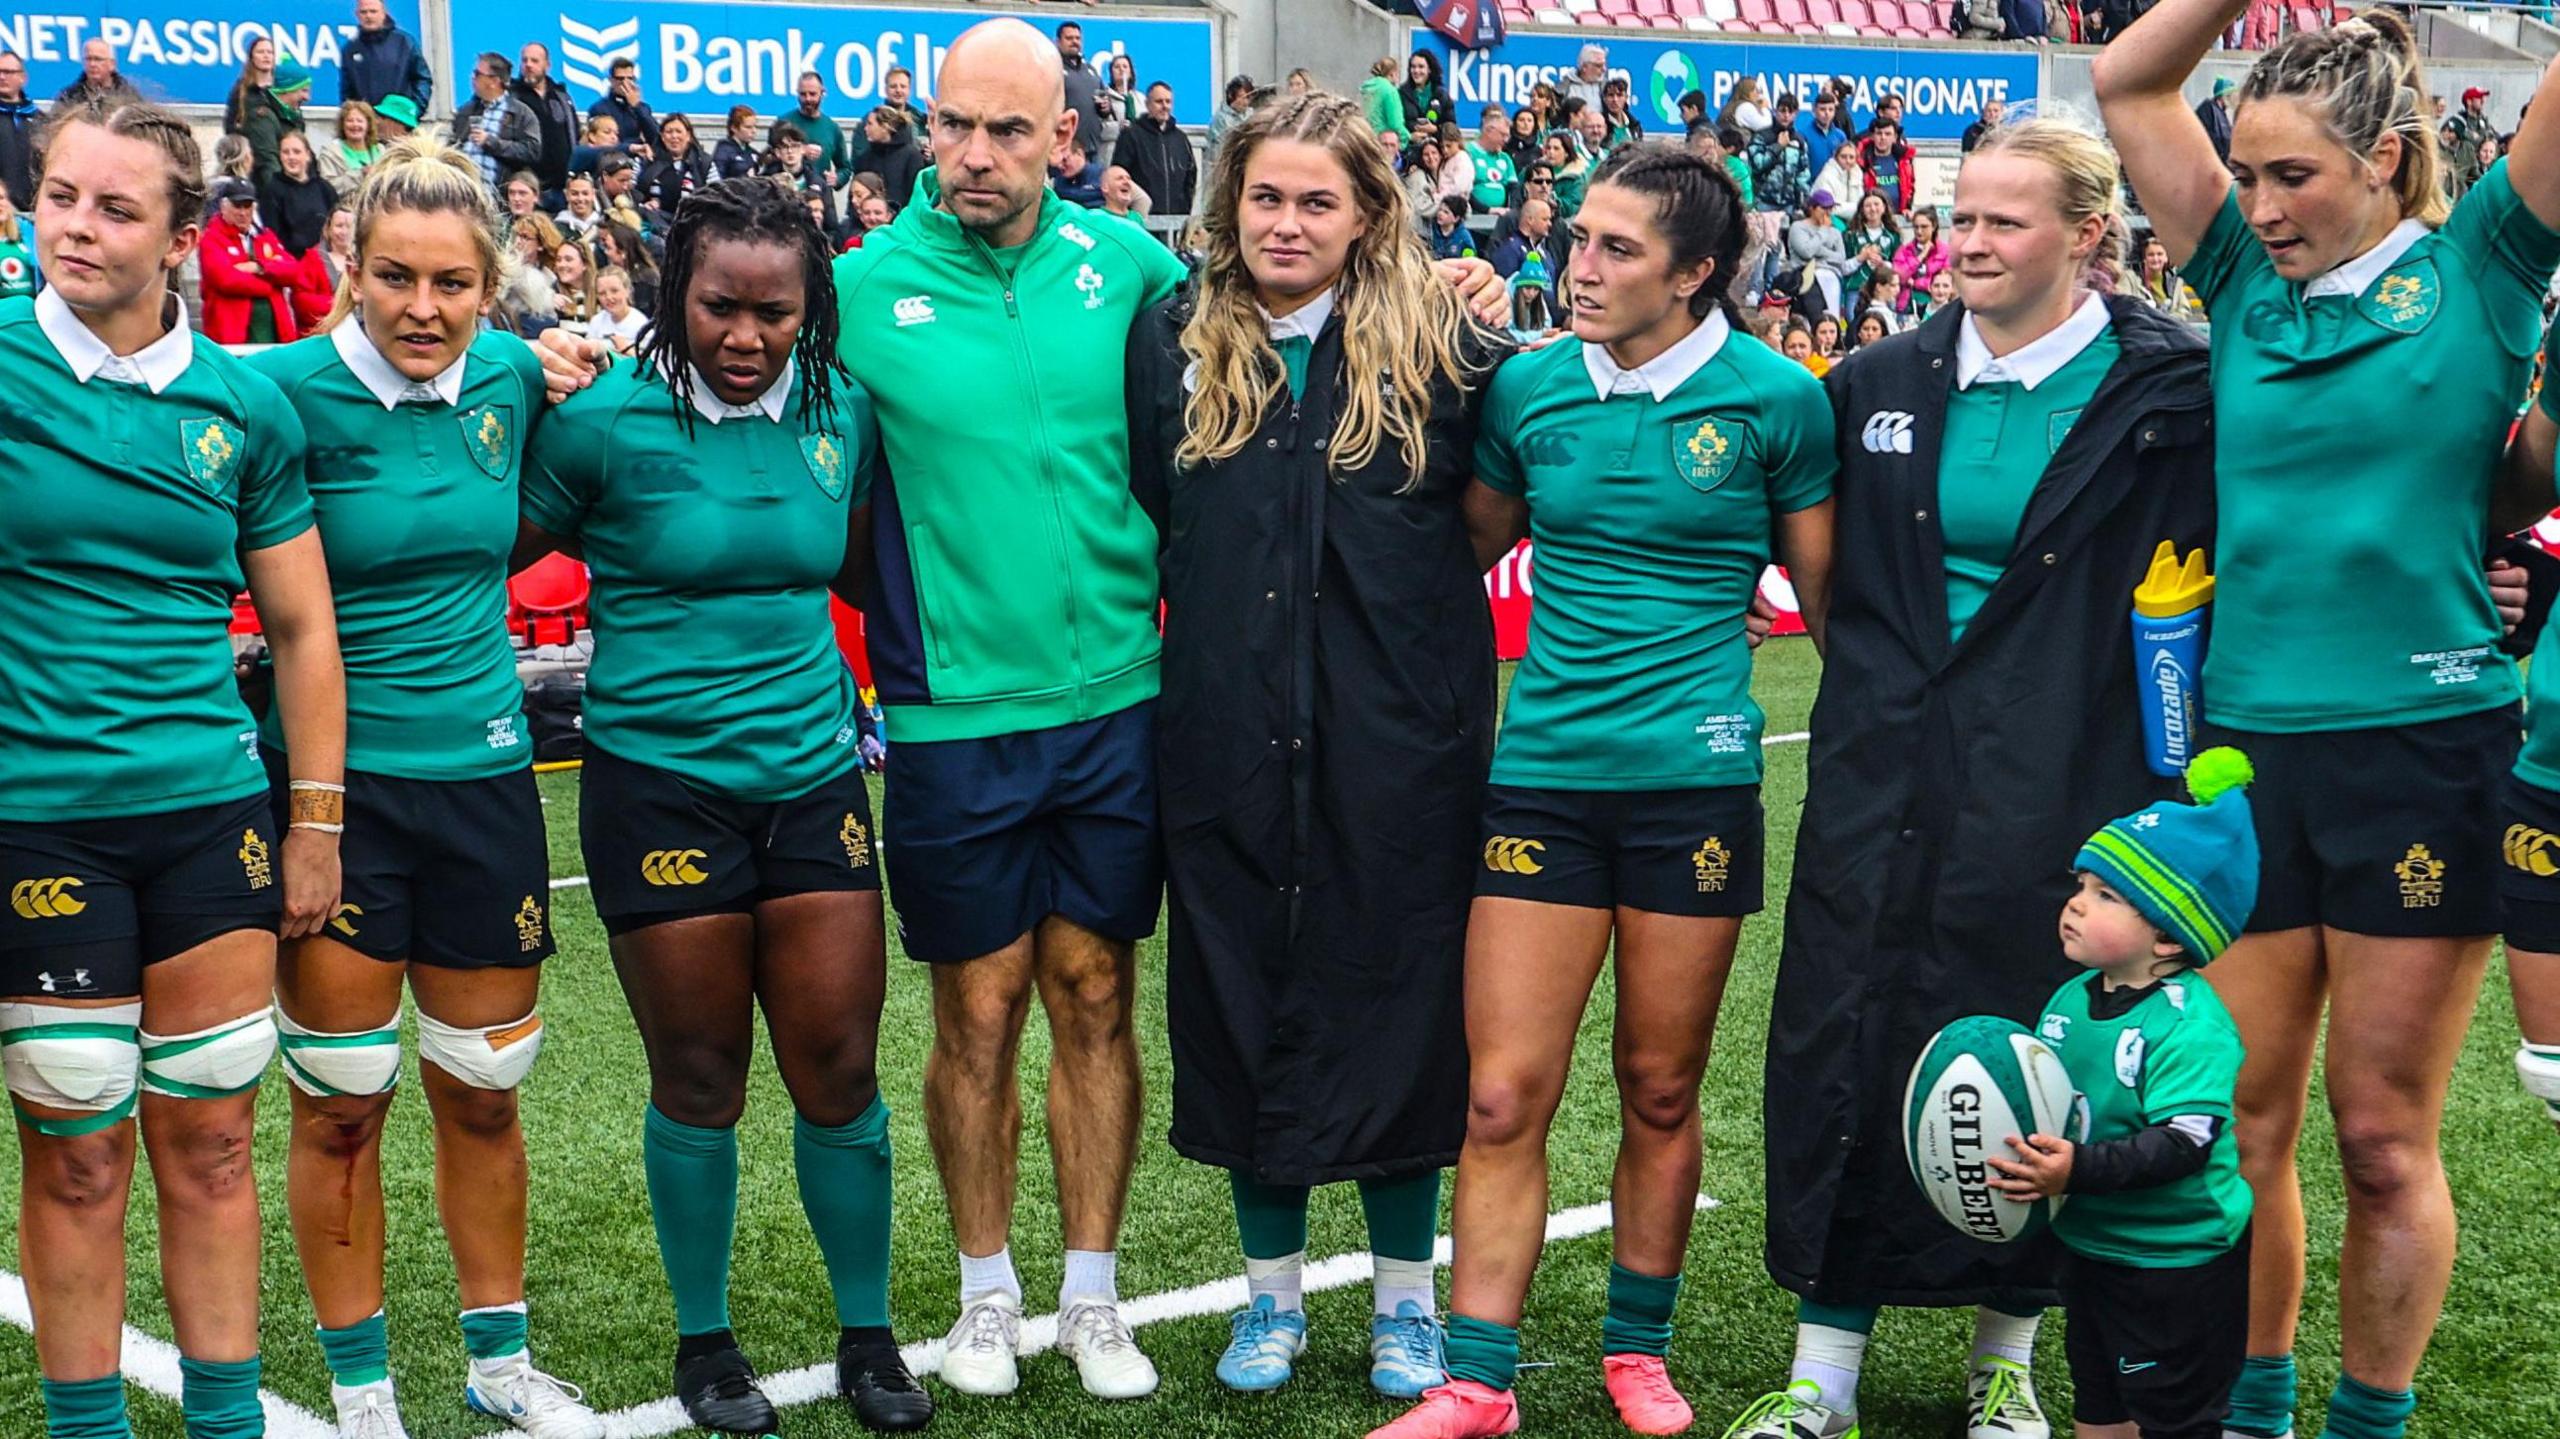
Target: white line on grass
x=152, y=1366
x=815, y=1382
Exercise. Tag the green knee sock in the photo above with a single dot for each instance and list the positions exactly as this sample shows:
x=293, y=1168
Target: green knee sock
x=86, y=1409
x=359, y=1353
x=693, y=1200
x=1271, y=1219
x=2360, y=1411
x=1403, y=1214
x=844, y=1189
x=1853, y=1318
x=2263, y=1397
x=220, y=1401
x=496, y=1332
x=1639, y=1317
x=1483, y=1351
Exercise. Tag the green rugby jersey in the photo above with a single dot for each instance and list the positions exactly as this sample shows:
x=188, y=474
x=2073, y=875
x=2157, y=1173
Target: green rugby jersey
x=417, y=492
x=716, y=657
x=1653, y=496
x=2538, y=762
x=1495, y=175
x=2175, y=1052
x=132, y=485
x=2369, y=406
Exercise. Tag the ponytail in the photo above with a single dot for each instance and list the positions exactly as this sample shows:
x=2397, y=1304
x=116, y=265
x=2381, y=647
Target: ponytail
x=2363, y=80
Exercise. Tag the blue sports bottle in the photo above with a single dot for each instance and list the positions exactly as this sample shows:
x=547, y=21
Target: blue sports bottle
x=2168, y=654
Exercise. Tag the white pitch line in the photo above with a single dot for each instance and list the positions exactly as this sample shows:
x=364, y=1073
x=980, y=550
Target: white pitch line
x=816, y=1382
x=151, y=1365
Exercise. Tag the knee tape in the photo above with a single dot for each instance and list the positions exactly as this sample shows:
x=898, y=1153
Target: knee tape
x=326, y=1065
x=2539, y=1068
x=87, y=1061
x=214, y=1063
x=493, y=1058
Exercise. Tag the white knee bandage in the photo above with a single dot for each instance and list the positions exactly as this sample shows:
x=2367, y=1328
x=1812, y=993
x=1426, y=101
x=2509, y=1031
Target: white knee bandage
x=492, y=1058
x=214, y=1063
x=2540, y=1072
x=325, y=1065
x=83, y=1060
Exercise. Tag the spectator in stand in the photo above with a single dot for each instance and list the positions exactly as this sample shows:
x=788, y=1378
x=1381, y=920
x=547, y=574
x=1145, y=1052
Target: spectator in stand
x=1981, y=20
x=835, y=147
x=1872, y=240
x=1545, y=104
x=338, y=247
x=1422, y=175
x=1076, y=179
x=2025, y=20
x=555, y=114
x=580, y=214
x=2464, y=134
x=495, y=129
x=1781, y=163
x=19, y=274
x=1922, y=258
x=1424, y=96
x=1121, y=100
x=897, y=91
x=620, y=246
x=1382, y=105
x=1590, y=73
x=1084, y=89
x=863, y=186
x=99, y=78
x=231, y=158
x=1992, y=109
x=1888, y=108
x=1797, y=345
x=19, y=119
x=1457, y=173
x=794, y=161
x=1884, y=293
x=1816, y=258
x=294, y=201
x=1571, y=170
x=618, y=193
x=248, y=278
x=1122, y=197
x=1885, y=162
x=1826, y=337
x=343, y=156
x=839, y=233
x=573, y=280
x=599, y=137
x=1157, y=154
x=1874, y=323
x=1237, y=106
x=529, y=301
x=632, y=118
x=2490, y=151
x=1619, y=124
x=681, y=168
x=519, y=195
x=1942, y=288
x=2214, y=112
x=2159, y=285
x=1592, y=126
x=383, y=60
x=394, y=117
x=735, y=155
x=1538, y=182
x=1536, y=238
x=1450, y=238
x=1747, y=109
x=1302, y=81
x=616, y=321
x=1496, y=178
x=1527, y=142
x=889, y=150
x=257, y=76
x=271, y=112
x=1693, y=108
x=1823, y=132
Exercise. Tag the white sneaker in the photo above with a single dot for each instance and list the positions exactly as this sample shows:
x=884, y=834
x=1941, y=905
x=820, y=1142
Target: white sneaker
x=367, y=1411
x=1092, y=1333
x=531, y=1400
x=2001, y=1402
x=978, y=1354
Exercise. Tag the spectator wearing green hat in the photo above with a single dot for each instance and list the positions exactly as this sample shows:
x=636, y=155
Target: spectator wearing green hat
x=2215, y=113
x=268, y=111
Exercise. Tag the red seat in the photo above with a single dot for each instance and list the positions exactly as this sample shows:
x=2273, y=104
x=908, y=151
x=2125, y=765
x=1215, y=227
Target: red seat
x=1614, y=8
x=547, y=604
x=1905, y=32
x=1651, y=8
x=244, y=616
x=1922, y=15
x=1790, y=13
x=1854, y=12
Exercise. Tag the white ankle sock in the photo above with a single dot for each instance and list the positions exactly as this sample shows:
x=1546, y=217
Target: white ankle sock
x=1393, y=1281
x=2006, y=1335
x=1091, y=1274
x=1280, y=1278
x=993, y=1274
x=1830, y=1359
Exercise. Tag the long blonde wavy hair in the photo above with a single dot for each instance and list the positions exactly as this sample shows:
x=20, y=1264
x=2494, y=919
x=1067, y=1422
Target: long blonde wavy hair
x=1399, y=319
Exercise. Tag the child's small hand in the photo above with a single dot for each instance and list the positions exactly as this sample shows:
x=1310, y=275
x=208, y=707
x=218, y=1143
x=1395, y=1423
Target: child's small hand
x=2042, y=1169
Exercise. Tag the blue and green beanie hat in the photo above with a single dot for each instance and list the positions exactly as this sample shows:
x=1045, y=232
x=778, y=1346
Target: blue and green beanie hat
x=2192, y=869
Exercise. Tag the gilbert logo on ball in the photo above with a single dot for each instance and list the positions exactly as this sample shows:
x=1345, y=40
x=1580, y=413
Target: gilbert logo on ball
x=1979, y=1081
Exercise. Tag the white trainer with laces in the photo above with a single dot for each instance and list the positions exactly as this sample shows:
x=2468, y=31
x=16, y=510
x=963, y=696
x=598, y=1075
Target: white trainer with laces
x=367, y=1411
x=540, y=1405
x=2001, y=1402
x=1092, y=1333
x=978, y=1354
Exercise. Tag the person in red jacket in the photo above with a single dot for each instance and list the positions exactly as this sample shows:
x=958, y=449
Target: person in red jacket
x=1884, y=158
x=249, y=276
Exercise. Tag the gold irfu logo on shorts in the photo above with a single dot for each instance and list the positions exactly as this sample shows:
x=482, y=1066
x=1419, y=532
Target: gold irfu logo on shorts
x=2535, y=851
x=253, y=860
x=2421, y=879
x=1714, y=862
x=672, y=866
x=1505, y=855
x=529, y=925
x=857, y=841
x=344, y=921
x=45, y=898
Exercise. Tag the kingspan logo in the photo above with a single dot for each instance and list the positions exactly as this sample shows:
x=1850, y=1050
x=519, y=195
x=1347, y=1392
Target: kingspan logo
x=587, y=52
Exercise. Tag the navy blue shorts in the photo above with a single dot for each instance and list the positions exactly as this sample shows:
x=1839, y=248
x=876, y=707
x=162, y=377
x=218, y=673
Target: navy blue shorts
x=987, y=837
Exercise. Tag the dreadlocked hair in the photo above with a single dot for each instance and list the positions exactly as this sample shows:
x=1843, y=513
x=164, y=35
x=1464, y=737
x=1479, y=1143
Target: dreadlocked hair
x=1401, y=323
x=2362, y=80
x=757, y=210
x=1697, y=207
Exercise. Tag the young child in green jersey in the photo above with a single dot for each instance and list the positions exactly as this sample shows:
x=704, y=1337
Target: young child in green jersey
x=2156, y=1282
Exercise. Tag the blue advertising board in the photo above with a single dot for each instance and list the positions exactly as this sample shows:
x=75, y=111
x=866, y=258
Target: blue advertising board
x=703, y=56
x=182, y=51
x=1942, y=87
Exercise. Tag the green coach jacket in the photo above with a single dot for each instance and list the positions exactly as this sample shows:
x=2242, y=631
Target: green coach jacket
x=1013, y=584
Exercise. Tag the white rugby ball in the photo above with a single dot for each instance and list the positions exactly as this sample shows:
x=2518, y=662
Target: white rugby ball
x=1980, y=1080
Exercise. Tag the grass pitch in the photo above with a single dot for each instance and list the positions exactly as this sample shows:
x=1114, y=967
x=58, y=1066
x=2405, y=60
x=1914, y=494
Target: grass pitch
x=601, y=1316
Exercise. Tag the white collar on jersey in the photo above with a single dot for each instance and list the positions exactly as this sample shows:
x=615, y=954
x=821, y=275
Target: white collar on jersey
x=1665, y=372
x=157, y=365
x=387, y=383
x=1303, y=323
x=2352, y=278
x=769, y=404
x=2034, y=362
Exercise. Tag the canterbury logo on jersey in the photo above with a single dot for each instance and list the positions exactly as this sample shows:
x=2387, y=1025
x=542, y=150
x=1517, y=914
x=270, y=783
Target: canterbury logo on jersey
x=1505, y=855
x=913, y=310
x=45, y=898
x=672, y=866
x=1888, y=432
x=2535, y=851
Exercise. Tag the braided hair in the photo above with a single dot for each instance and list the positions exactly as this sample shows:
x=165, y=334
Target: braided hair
x=2362, y=78
x=1698, y=209
x=757, y=210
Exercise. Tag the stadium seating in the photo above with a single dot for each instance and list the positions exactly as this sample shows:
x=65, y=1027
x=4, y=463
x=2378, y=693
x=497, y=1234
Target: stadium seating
x=547, y=604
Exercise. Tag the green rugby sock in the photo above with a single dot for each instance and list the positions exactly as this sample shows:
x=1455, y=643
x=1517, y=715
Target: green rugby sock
x=220, y=1401
x=85, y=1409
x=1639, y=1317
x=693, y=1200
x=844, y=1189
x=2360, y=1411
x=359, y=1353
x=1483, y=1351
x=1403, y=1215
x=1271, y=1219
x=1854, y=1318
x=2263, y=1397
x=497, y=1332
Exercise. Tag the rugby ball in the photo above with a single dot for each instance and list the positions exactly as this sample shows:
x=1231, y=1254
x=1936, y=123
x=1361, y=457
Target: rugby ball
x=1980, y=1080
